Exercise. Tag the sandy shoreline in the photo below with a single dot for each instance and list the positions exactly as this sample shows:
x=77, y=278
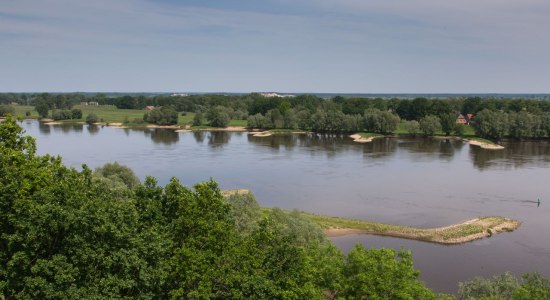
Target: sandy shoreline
x=485, y=227
x=359, y=139
x=484, y=145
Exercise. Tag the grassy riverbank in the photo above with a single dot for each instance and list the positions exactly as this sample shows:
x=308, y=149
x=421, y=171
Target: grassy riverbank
x=130, y=117
x=453, y=234
x=466, y=231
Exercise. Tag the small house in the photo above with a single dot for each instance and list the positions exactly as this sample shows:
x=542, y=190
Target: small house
x=461, y=120
x=149, y=107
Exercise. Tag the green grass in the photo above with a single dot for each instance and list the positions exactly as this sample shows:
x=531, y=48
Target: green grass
x=454, y=234
x=20, y=111
x=112, y=114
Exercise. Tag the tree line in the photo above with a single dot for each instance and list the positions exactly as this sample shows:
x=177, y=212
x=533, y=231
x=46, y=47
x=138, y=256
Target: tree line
x=494, y=118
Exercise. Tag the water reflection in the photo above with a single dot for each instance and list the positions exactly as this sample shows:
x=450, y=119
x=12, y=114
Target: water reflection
x=217, y=139
x=441, y=148
x=44, y=128
x=199, y=136
x=514, y=155
x=163, y=136
x=68, y=127
x=93, y=129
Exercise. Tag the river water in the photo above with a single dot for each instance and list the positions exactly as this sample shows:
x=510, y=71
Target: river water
x=416, y=182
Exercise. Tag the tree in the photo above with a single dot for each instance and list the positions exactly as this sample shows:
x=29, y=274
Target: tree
x=117, y=173
x=382, y=122
x=491, y=124
x=429, y=125
x=500, y=287
x=197, y=119
x=382, y=274
x=162, y=116
x=218, y=117
x=448, y=122
x=76, y=113
x=42, y=108
x=412, y=127
x=91, y=118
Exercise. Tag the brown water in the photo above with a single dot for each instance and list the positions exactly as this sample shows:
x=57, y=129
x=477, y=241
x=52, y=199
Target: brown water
x=416, y=182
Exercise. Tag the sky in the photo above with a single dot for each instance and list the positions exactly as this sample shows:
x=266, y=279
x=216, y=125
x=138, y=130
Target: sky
x=321, y=46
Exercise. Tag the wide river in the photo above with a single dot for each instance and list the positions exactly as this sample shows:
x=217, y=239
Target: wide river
x=416, y=182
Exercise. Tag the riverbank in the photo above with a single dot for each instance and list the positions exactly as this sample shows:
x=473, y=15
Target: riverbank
x=467, y=231
x=464, y=232
x=257, y=133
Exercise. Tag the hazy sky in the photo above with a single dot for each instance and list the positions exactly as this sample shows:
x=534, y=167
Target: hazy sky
x=368, y=46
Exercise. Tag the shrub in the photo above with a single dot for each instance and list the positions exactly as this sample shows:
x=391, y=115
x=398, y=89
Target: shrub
x=91, y=118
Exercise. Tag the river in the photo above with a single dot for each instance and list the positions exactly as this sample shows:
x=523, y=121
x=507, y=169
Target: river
x=417, y=182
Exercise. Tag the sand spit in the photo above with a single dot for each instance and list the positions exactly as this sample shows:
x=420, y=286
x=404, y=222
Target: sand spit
x=484, y=145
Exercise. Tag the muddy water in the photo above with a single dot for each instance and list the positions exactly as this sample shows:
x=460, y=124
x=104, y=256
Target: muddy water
x=416, y=182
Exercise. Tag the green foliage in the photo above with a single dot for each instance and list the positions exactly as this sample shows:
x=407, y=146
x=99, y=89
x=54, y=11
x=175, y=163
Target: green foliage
x=76, y=113
x=118, y=174
x=197, y=119
x=382, y=274
x=91, y=118
x=42, y=108
x=162, y=116
x=245, y=211
x=490, y=124
x=429, y=125
x=412, y=127
x=500, y=287
x=382, y=122
x=448, y=122
x=218, y=117
x=506, y=287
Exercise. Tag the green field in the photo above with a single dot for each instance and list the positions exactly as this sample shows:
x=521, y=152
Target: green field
x=111, y=114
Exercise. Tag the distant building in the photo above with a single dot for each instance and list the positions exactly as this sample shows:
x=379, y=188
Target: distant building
x=276, y=95
x=179, y=94
x=461, y=119
x=149, y=107
x=89, y=103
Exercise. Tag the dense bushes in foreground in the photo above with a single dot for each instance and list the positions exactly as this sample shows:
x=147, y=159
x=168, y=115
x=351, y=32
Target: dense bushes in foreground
x=80, y=234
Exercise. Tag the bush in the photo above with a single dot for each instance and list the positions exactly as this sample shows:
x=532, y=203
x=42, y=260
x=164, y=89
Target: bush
x=61, y=115
x=91, y=118
x=76, y=113
x=162, y=116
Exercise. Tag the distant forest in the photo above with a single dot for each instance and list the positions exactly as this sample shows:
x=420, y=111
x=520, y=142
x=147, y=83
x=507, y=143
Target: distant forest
x=493, y=117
